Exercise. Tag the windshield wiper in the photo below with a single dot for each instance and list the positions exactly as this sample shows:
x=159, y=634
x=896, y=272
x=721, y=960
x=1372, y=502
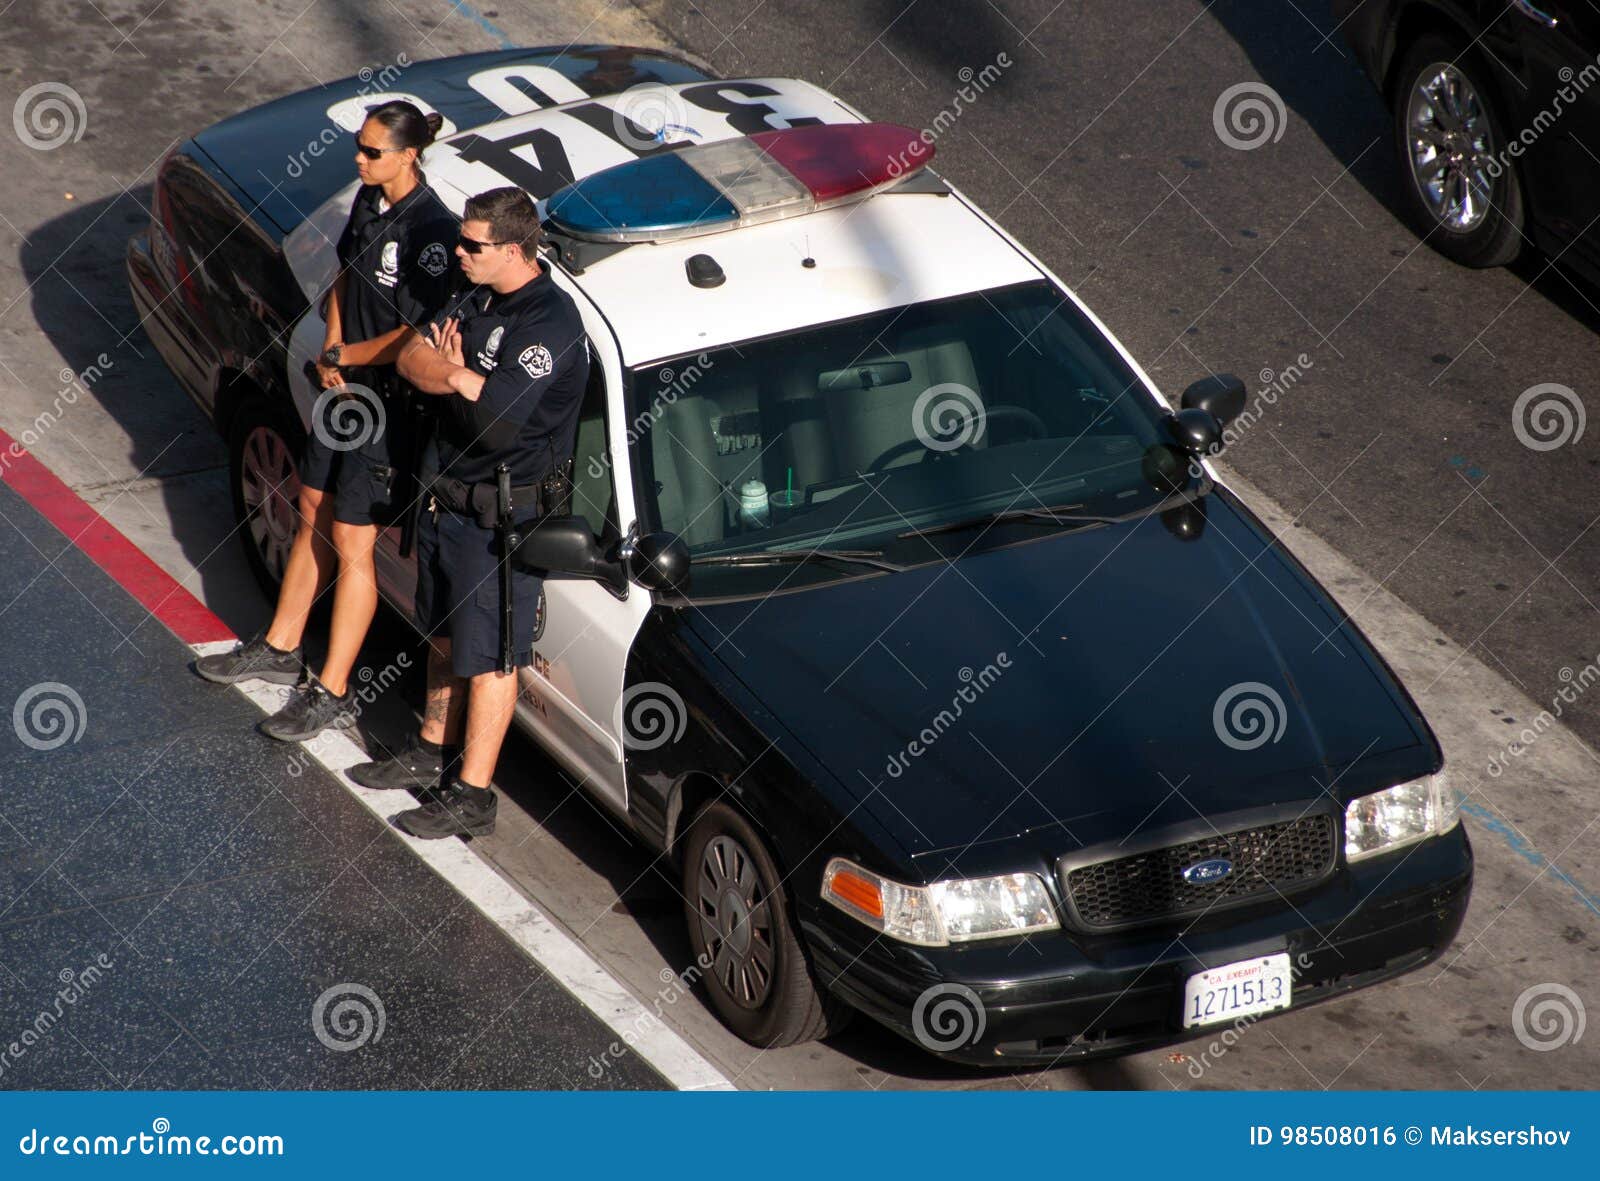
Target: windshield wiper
x=1061, y=514
x=864, y=557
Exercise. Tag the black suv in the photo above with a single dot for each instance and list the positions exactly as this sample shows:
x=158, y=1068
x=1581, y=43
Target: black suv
x=1496, y=120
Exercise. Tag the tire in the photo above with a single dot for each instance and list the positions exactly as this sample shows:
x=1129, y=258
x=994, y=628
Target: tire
x=1447, y=128
x=264, y=447
x=737, y=911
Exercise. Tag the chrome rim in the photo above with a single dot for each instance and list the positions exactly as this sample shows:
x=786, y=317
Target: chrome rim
x=1451, y=147
x=736, y=922
x=270, y=481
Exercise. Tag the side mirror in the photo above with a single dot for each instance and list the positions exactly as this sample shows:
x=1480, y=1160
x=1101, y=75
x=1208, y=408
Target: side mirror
x=1196, y=431
x=566, y=545
x=1221, y=396
x=660, y=561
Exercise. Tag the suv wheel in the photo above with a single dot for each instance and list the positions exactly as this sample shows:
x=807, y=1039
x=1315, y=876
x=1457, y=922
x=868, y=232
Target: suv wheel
x=1460, y=191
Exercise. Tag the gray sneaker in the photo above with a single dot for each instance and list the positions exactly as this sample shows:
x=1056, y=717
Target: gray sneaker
x=310, y=710
x=253, y=660
x=409, y=767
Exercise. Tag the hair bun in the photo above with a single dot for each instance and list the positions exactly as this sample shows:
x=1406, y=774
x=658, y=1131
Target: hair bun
x=435, y=121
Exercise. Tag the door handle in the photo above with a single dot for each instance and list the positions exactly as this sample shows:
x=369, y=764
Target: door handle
x=1535, y=14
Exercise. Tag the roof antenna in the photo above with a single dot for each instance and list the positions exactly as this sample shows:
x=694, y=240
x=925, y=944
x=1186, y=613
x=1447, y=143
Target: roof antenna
x=808, y=262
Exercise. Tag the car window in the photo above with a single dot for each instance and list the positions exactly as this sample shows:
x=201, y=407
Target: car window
x=859, y=430
x=594, y=493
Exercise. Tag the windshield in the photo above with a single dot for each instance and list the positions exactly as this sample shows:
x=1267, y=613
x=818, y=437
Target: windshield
x=857, y=433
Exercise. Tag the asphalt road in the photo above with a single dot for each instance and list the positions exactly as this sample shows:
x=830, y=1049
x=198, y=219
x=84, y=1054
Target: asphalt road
x=1097, y=146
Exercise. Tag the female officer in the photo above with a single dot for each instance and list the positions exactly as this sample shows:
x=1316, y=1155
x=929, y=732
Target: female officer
x=395, y=263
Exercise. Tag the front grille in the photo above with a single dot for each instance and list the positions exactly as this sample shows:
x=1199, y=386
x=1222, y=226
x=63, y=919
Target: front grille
x=1149, y=887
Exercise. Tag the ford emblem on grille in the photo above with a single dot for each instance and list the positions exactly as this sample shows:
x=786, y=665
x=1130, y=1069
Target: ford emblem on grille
x=1203, y=873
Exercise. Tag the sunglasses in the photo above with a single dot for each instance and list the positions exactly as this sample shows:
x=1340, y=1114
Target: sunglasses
x=473, y=246
x=372, y=153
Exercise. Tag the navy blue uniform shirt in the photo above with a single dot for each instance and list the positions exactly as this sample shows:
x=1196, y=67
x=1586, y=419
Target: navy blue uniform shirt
x=531, y=347
x=398, y=263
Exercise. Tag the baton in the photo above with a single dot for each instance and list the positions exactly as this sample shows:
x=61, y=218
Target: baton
x=508, y=544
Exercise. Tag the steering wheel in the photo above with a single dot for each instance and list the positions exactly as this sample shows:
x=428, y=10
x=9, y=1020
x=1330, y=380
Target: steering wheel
x=1035, y=428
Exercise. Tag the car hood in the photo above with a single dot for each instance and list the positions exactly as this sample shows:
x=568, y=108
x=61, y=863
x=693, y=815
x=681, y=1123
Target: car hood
x=1082, y=686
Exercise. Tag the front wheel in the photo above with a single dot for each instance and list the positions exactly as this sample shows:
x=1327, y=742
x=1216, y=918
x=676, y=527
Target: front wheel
x=1461, y=189
x=264, y=448
x=756, y=974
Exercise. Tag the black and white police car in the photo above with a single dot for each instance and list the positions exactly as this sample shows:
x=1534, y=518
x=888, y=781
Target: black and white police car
x=898, y=608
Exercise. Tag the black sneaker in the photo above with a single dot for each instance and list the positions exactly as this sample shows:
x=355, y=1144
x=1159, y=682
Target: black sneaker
x=253, y=660
x=454, y=811
x=411, y=766
x=310, y=710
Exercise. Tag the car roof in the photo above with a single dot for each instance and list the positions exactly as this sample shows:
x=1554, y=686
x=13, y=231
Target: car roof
x=903, y=245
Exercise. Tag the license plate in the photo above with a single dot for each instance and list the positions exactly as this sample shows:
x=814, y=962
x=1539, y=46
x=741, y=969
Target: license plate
x=1242, y=989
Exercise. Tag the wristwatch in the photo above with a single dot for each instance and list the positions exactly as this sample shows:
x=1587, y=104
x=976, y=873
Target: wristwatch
x=332, y=355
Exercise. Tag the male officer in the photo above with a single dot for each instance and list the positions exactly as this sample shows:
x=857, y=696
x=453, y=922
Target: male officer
x=509, y=362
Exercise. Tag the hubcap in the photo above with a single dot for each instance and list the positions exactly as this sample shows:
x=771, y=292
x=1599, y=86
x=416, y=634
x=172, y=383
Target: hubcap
x=1451, y=147
x=270, y=481
x=736, y=922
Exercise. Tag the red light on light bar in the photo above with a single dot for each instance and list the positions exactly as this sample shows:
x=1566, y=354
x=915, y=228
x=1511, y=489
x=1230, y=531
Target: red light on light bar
x=729, y=183
x=834, y=160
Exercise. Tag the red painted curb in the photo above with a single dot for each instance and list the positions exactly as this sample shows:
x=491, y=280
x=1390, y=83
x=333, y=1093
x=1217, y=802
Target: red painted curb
x=157, y=591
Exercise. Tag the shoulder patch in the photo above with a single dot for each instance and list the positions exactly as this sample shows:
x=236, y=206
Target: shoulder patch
x=433, y=258
x=536, y=360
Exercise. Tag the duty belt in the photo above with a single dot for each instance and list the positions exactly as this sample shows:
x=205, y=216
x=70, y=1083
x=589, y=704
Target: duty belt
x=479, y=501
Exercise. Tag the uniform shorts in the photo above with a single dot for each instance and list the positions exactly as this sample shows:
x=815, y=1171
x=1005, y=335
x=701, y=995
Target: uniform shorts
x=458, y=593
x=367, y=479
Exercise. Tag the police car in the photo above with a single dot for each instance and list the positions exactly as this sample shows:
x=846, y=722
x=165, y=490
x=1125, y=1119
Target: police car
x=897, y=606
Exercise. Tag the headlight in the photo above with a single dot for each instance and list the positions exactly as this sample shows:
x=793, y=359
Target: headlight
x=1400, y=815
x=945, y=912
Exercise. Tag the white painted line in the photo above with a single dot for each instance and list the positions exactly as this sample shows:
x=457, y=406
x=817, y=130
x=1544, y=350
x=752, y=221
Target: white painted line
x=568, y=961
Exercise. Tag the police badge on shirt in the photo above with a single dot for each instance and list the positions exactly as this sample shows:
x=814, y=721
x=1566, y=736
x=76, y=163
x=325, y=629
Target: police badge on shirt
x=388, y=272
x=488, y=355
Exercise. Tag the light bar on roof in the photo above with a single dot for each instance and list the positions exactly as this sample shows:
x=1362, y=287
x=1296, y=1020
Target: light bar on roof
x=706, y=188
